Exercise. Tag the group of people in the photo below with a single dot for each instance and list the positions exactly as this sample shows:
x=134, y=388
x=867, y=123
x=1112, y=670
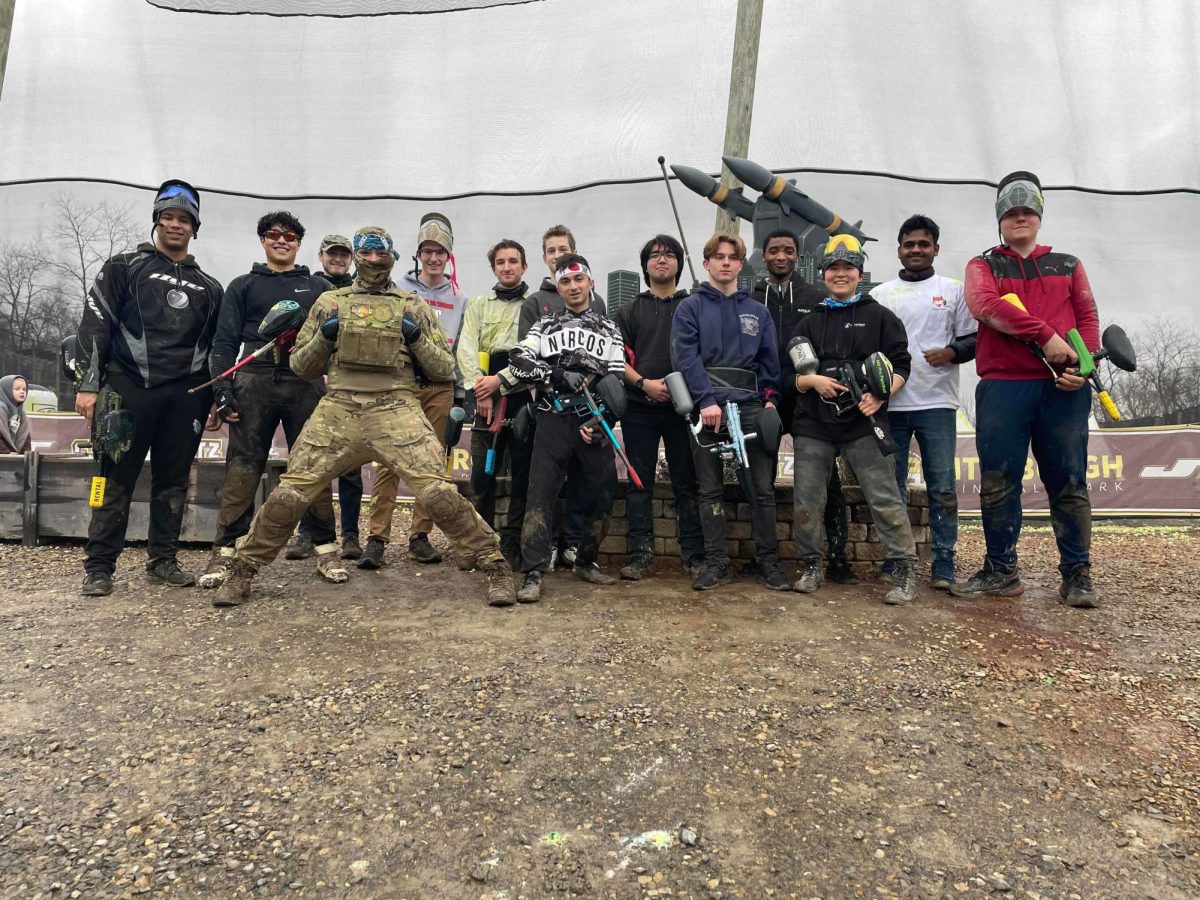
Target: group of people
x=381, y=365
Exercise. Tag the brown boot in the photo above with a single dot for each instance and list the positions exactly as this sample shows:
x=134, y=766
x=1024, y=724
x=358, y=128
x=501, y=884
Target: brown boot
x=217, y=568
x=500, y=588
x=236, y=588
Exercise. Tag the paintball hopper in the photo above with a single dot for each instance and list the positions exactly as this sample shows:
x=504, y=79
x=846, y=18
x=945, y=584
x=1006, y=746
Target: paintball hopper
x=454, y=425
x=681, y=397
x=1117, y=349
x=611, y=393
x=69, y=357
x=804, y=358
x=284, y=316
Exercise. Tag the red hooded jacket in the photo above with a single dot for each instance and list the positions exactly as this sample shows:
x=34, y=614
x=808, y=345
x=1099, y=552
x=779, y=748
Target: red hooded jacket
x=1057, y=297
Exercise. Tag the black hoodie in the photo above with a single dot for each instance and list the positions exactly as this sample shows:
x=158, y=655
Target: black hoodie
x=645, y=325
x=149, y=318
x=247, y=300
x=788, y=304
x=851, y=332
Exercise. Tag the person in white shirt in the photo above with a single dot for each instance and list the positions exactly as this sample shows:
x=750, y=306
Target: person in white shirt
x=941, y=337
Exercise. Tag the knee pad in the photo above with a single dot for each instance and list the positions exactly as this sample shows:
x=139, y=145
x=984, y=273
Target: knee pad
x=284, y=507
x=442, y=501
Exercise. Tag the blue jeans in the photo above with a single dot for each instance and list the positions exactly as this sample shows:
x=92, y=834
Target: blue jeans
x=1012, y=416
x=936, y=433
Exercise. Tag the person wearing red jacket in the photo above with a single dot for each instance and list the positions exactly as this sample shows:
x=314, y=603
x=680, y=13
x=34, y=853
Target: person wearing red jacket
x=1026, y=298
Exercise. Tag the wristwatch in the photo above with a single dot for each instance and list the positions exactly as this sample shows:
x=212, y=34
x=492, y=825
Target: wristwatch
x=638, y=384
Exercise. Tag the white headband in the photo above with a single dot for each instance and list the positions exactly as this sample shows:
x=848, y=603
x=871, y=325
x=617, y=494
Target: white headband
x=573, y=269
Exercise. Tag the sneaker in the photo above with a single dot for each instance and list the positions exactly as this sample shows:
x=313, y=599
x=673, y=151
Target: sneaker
x=639, y=567
x=168, y=570
x=771, y=574
x=421, y=550
x=236, y=588
x=217, y=568
x=810, y=578
x=904, y=587
x=329, y=565
x=592, y=575
x=887, y=572
x=351, y=548
x=1077, y=590
x=569, y=554
x=301, y=547
x=500, y=588
x=839, y=571
x=96, y=584
x=710, y=575
x=988, y=583
x=942, y=574
x=531, y=588
x=372, y=557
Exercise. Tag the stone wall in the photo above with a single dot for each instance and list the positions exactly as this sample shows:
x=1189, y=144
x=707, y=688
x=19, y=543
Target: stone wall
x=862, y=548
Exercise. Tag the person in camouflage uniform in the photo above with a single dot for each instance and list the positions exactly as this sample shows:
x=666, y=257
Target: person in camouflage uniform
x=367, y=338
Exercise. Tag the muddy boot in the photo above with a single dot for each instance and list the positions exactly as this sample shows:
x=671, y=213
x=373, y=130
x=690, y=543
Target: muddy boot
x=500, y=588
x=592, y=574
x=771, y=574
x=351, y=549
x=839, y=571
x=372, y=557
x=904, y=588
x=531, y=588
x=809, y=581
x=989, y=583
x=640, y=565
x=236, y=588
x=217, y=568
x=421, y=550
x=301, y=547
x=329, y=566
x=96, y=584
x=169, y=572
x=1077, y=590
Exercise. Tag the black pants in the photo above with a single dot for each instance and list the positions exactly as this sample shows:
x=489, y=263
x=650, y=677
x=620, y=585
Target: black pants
x=350, y=494
x=167, y=424
x=557, y=442
x=517, y=455
x=710, y=472
x=266, y=400
x=643, y=426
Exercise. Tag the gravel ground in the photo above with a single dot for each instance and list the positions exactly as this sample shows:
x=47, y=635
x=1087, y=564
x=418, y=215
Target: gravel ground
x=393, y=737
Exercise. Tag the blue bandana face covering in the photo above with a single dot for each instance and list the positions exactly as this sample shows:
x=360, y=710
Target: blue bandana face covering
x=841, y=304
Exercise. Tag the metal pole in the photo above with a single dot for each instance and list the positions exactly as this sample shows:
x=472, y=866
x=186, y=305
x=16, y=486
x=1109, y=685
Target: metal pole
x=7, y=8
x=662, y=160
x=742, y=72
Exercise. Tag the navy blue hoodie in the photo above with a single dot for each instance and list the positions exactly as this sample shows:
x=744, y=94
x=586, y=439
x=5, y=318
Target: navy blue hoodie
x=711, y=330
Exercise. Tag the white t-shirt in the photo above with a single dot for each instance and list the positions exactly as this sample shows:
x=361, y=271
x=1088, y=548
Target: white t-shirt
x=934, y=312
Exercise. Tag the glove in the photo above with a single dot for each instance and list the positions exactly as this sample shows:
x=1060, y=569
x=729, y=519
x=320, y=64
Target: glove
x=329, y=328
x=566, y=381
x=410, y=329
x=225, y=400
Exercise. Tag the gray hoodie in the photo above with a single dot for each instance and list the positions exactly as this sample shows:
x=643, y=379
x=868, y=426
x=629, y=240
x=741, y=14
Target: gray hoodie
x=449, y=305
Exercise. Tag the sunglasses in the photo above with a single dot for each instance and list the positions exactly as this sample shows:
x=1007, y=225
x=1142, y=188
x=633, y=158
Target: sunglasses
x=275, y=234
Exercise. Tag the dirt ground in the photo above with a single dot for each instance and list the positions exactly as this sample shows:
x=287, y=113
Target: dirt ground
x=393, y=737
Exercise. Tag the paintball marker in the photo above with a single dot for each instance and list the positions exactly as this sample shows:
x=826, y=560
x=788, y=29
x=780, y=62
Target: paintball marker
x=500, y=408
x=733, y=448
x=585, y=405
x=112, y=434
x=454, y=429
x=1117, y=349
x=1034, y=348
x=279, y=326
x=871, y=376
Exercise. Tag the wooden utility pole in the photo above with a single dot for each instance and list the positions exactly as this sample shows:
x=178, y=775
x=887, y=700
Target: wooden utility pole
x=741, y=97
x=7, y=7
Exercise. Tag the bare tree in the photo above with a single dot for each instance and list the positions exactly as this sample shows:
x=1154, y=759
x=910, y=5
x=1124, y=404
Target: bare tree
x=1167, y=379
x=88, y=235
x=23, y=277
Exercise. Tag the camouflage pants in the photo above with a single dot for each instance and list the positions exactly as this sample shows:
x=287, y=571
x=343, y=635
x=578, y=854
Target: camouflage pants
x=435, y=402
x=349, y=429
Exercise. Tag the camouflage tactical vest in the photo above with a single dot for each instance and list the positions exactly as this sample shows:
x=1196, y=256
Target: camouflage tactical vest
x=370, y=335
